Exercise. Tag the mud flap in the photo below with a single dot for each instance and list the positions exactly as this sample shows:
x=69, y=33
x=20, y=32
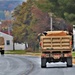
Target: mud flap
x=69, y=62
x=43, y=62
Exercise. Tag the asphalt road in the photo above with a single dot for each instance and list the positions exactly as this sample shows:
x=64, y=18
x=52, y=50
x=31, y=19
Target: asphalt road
x=30, y=65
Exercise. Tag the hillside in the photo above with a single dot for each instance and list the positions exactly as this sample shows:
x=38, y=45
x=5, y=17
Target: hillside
x=8, y=5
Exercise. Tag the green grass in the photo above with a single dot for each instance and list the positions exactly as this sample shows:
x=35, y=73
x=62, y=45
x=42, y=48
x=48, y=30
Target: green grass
x=28, y=53
x=15, y=52
x=73, y=54
x=20, y=52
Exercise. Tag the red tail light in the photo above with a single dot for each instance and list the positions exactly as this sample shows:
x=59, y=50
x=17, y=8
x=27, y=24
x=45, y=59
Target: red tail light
x=43, y=55
x=70, y=42
x=68, y=55
x=40, y=44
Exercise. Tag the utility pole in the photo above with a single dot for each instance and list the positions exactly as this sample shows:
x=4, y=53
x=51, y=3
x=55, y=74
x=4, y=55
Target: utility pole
x=51, y=27
x=9, y=30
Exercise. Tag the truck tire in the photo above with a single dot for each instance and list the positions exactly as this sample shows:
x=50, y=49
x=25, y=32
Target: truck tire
x=43, y=62
x=2, y=52
x=69, y=62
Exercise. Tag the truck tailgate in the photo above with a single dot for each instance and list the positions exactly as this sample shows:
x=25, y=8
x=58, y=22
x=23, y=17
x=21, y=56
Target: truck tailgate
x=56, y=42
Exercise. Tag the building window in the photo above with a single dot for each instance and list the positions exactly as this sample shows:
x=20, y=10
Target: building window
x=8, y=42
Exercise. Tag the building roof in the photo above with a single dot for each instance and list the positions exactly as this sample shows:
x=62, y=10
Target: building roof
x=4, y=34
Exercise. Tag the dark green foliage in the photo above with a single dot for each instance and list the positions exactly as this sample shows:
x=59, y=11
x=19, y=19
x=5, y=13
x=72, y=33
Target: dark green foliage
x=61, y=8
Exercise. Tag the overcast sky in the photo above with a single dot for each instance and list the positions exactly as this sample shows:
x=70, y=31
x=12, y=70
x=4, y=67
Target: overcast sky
x=13, y=0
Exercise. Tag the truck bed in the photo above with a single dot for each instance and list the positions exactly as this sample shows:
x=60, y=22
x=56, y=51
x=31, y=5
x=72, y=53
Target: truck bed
x=56, y=42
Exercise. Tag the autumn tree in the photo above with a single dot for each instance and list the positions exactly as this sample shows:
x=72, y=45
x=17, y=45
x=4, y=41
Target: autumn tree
x=22, y=24
x=32, y=18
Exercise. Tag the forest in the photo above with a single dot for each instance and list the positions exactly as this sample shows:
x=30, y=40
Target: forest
x=33, y=17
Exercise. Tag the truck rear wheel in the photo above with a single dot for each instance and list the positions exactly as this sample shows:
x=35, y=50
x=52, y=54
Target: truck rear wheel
x=2, y=52
x=69, y=62
x=43, y=62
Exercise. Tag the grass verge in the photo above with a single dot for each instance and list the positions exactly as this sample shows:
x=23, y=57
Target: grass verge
x=73, y=54
x=27, y=53
x=22, y=52
x=15, y=52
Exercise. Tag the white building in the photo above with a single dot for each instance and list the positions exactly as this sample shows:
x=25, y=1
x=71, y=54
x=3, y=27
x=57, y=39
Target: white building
x=73, y=37
x=8, y=41
x=18, y=46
